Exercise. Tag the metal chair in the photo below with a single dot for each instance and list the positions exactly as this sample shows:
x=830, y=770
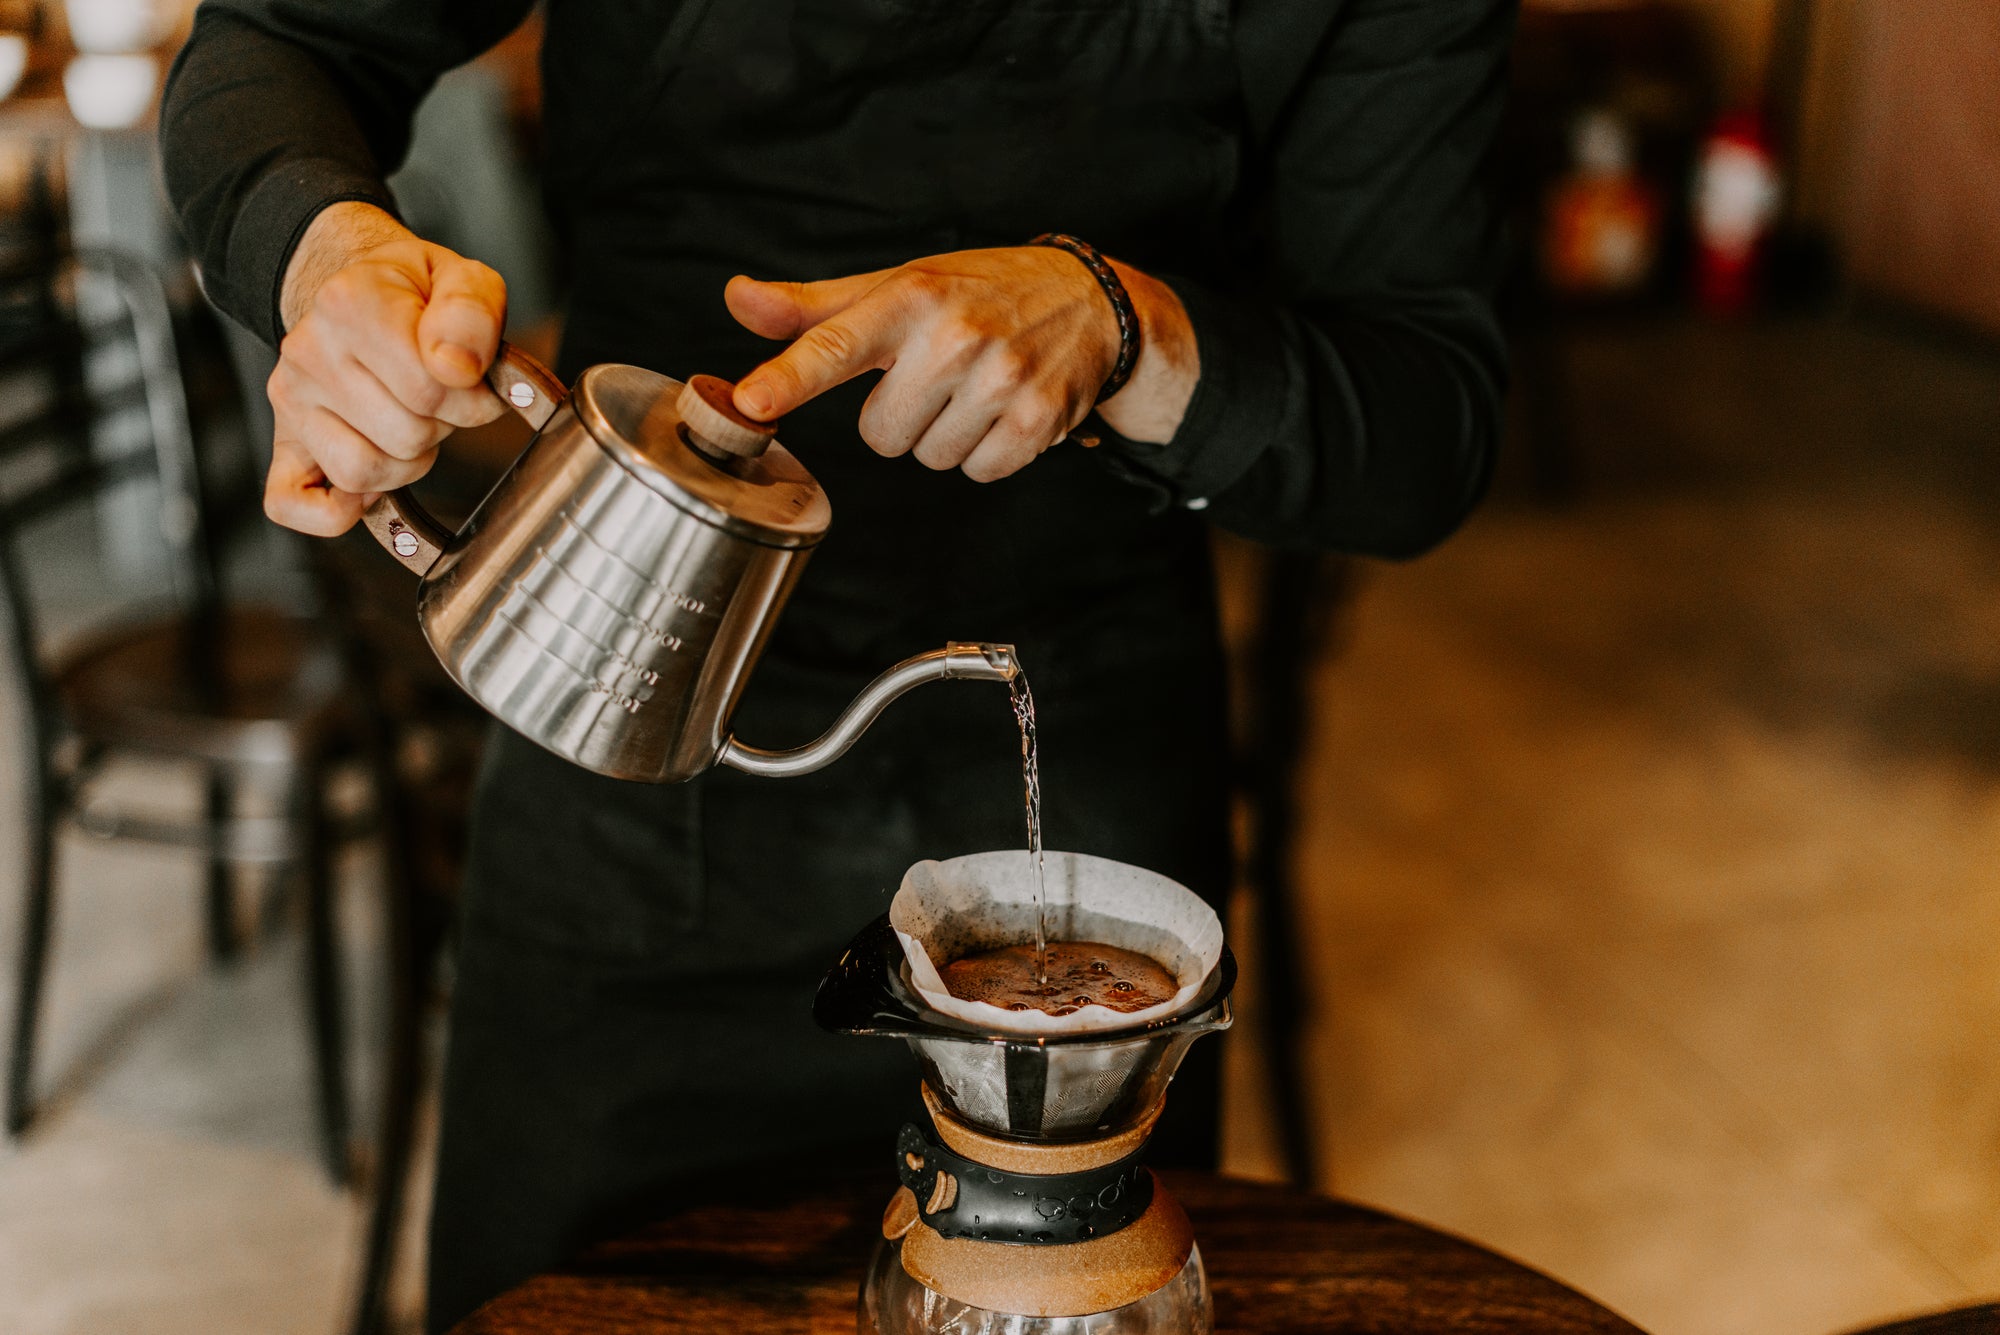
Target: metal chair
x=252, y=697
x=428, y=736
x=435, y=734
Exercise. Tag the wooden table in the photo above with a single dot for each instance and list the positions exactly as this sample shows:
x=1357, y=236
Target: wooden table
x=1278, y=1260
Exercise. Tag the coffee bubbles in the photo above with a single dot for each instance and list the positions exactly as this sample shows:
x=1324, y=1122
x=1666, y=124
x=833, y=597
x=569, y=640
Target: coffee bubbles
x=1076, y=974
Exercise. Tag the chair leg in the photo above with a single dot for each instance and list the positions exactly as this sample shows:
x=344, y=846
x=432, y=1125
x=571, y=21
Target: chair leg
x=39, y=910
x=323, y=984
x=412, y=947
x=222, y=935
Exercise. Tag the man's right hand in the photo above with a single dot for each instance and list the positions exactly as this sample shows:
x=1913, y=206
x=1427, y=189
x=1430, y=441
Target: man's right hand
x=387, y=344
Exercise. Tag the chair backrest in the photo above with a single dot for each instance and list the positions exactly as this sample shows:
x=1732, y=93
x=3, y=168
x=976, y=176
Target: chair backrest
x=92, y=407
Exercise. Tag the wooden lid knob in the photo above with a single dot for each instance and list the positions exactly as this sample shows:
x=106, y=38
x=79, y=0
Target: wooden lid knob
x=707, y=407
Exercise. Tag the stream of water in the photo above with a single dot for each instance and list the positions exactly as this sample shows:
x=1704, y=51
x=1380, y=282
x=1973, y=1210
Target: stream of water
x=1031, y=782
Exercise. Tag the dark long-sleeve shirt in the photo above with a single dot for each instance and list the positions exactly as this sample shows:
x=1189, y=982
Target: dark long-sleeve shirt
x=1303, y=171
x=1351, y=365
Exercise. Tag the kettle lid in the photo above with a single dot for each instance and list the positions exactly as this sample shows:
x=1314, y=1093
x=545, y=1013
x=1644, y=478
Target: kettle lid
x=769, y=498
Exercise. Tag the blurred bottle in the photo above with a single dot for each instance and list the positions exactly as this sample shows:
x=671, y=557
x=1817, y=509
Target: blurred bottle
x=1737, y=189
x=1602, y=234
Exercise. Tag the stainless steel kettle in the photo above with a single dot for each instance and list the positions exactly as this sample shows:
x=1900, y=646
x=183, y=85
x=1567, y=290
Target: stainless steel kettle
x=610, y=596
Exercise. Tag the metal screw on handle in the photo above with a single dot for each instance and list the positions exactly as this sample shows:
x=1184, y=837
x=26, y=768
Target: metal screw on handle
x=526, y=386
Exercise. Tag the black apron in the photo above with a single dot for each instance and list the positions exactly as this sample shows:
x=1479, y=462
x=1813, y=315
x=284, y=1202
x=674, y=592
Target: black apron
x=637, y=963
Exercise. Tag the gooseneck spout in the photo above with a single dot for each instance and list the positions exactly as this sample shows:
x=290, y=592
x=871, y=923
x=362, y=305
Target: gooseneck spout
x=962, y=661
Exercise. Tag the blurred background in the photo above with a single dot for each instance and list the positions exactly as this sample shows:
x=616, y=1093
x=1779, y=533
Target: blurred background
x=1621, y=883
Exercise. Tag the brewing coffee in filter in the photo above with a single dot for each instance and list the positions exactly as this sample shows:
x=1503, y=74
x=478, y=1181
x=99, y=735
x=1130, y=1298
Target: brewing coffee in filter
x=946, y=910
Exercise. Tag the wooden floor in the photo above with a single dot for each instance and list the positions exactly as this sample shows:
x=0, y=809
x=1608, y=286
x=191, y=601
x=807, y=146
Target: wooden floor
x=1652, y=869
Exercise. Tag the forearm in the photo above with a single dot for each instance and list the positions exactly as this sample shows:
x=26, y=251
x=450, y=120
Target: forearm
x=276, y=109
x=1388, y=438
x=339, y=234
x=256, y=138
x=1350, y=382
x=1370, y=427
x=1155, y=399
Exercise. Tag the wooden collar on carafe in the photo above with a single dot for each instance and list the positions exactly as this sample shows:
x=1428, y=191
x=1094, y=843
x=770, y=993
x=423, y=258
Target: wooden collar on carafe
x=1017, y=1156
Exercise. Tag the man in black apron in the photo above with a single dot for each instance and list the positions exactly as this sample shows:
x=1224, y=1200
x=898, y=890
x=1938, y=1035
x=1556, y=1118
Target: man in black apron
x=1290, y=191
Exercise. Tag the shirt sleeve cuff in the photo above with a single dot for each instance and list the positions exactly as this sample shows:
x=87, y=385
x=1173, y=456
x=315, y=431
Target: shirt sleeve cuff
x=1238, y=406
x=268, y=228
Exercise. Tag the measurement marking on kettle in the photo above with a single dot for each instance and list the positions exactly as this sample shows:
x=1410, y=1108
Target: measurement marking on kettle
x=625, y=702
x=631, y=669
x=685, y=603
x=576, y=532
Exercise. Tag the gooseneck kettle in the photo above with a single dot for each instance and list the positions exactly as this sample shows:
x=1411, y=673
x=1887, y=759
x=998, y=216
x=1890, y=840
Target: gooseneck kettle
x=611, y=594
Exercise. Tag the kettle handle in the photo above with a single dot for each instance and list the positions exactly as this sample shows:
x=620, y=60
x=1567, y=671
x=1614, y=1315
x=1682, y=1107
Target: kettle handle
x=399, y=521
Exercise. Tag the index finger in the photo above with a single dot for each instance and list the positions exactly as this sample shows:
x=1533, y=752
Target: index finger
x=297, y=494
x=864, y=337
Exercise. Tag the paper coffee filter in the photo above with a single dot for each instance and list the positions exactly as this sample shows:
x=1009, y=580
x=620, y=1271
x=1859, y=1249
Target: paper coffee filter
x=983, y=901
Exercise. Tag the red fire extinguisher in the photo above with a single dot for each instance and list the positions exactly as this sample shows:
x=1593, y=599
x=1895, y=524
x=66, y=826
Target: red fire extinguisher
x=1737, y=190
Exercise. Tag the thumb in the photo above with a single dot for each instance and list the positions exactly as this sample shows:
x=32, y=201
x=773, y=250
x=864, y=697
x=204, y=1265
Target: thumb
x=786, y=310
x=459, y=332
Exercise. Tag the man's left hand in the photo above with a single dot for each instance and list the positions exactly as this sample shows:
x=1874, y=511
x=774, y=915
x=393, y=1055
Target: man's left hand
x=992, y=355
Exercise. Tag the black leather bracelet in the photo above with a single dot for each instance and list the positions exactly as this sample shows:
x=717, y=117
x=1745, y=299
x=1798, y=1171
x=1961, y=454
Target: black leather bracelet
x=1121, y=305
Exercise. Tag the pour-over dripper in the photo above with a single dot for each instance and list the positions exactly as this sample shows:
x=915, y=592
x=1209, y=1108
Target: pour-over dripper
x=1053, y=1087
x=1030, y=1210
